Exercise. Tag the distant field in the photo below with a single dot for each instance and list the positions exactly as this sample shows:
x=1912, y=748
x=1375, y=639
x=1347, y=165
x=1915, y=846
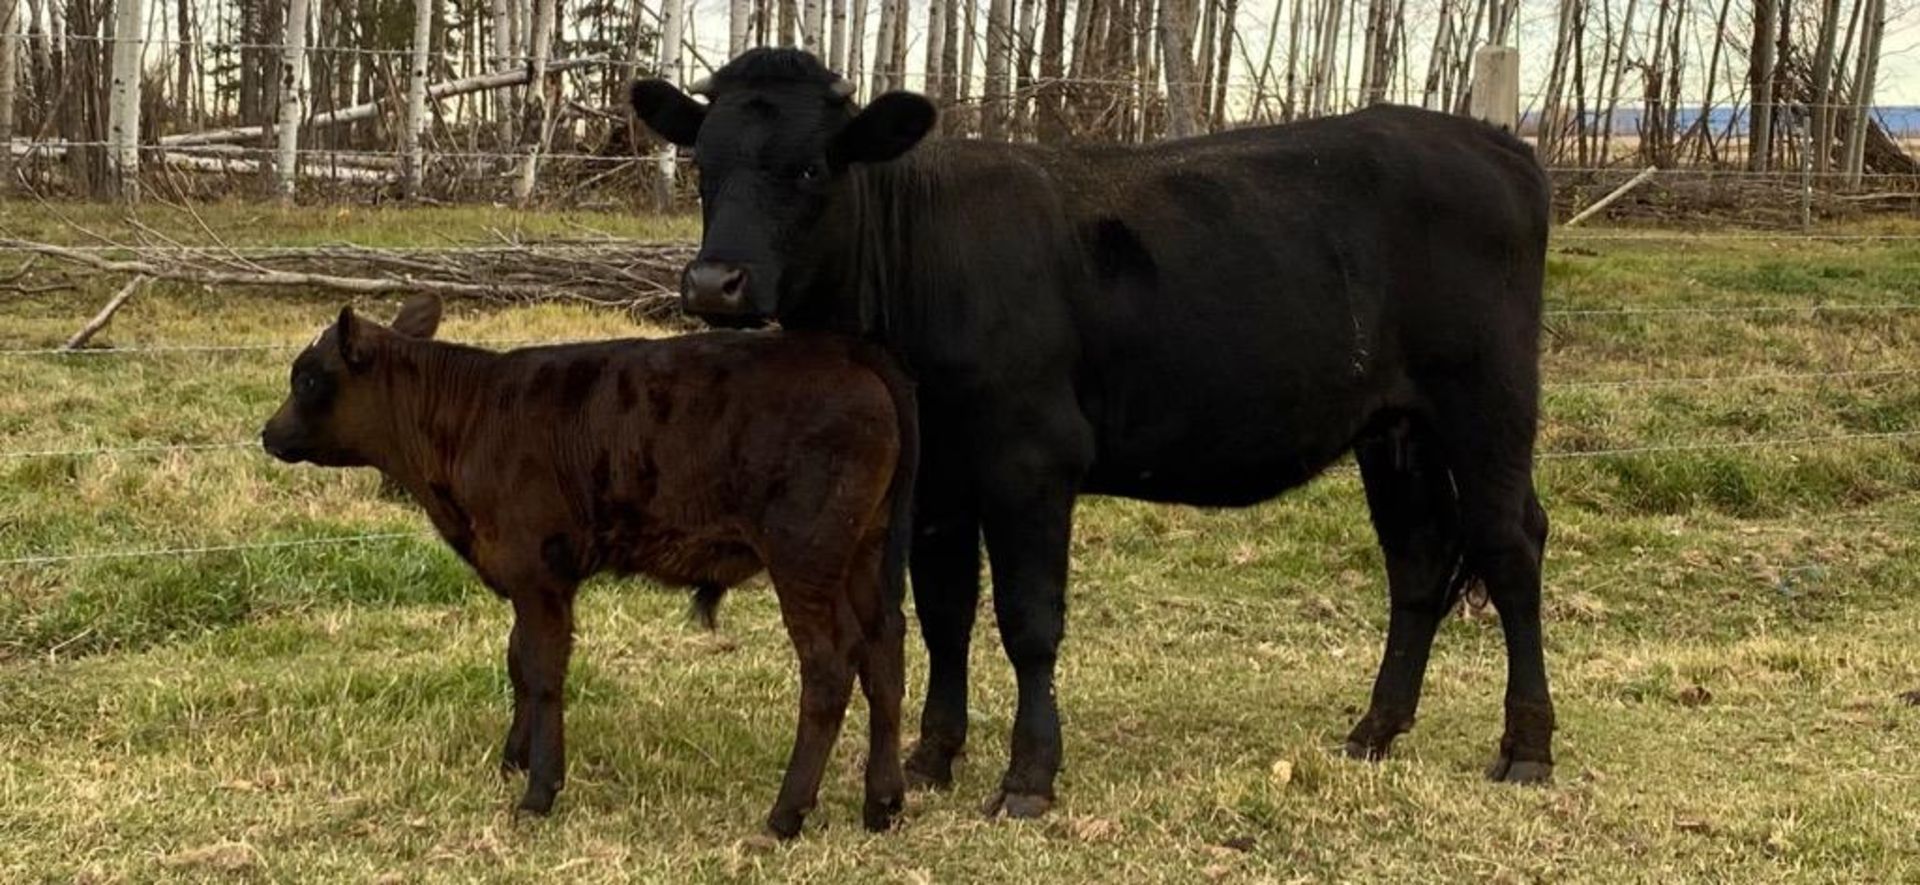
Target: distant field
x=1732, y=624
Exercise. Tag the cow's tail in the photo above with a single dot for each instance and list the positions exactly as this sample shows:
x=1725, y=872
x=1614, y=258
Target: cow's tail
x=906, y=408
x=706, y=605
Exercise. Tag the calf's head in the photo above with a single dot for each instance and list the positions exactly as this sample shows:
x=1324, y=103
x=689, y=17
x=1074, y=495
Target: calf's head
x=773, y=144
x=338, y=412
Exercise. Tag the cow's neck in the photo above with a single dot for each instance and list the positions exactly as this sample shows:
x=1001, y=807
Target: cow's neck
x=852, y=280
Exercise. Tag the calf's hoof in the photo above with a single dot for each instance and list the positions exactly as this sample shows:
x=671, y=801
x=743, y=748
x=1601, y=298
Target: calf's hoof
x=930, y=768
x=1019, y=806
x=1508, y=770
x=879, y=813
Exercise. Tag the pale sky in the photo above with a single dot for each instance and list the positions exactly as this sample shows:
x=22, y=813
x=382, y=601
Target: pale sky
x=1898, y=81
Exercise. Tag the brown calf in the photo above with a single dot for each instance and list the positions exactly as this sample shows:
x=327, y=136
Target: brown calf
x=697, y=460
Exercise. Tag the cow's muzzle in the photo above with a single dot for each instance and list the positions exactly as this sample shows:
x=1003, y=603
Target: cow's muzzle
x=715, y=289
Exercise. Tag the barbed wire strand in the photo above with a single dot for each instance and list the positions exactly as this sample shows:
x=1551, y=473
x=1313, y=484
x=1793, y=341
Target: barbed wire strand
x=50, y=559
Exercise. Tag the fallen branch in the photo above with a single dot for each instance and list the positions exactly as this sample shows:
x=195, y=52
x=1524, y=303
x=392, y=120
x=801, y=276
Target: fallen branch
x=484, y=82
x=105, y=315
x=1607, y=200
x=640, y=277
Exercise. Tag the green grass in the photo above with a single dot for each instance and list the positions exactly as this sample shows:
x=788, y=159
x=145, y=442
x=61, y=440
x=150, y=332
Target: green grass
x=1730, y=633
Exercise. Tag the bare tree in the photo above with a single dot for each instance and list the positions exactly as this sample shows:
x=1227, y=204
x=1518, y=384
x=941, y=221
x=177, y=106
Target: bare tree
x=9, y=76
x=293, y=64
x=416, y=122
x=123, y=106
x=1760, y=84
x=1176, y=59
x=856, y=42
x=1873, y=25
x=883, y=49
x=993, y=102
x=1822, y=92
x=937, y=12
x=534, y=112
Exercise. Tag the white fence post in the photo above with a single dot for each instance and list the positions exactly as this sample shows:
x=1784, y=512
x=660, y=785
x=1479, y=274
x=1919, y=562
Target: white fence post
x=1495, y=95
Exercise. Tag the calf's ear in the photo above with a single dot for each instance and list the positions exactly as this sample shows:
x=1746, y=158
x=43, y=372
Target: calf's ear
x=886, y=128
x=348, y=336
x=419, y=317
x=667, y=111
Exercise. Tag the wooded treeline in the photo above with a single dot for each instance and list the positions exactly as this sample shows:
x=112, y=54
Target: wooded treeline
x=498, y=99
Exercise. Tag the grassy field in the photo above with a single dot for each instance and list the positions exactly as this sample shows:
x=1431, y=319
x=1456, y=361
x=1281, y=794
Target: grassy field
x=1731, y=629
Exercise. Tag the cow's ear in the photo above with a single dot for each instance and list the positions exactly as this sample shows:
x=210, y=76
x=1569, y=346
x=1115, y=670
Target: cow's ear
x=888, y=127
x=351, y=340
x=419, y=317
x=670, y=113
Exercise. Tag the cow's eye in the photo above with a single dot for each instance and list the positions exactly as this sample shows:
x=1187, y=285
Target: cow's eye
x=811, y=172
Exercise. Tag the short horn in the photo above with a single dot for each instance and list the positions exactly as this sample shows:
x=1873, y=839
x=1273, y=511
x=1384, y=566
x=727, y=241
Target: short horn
x=842, y=87
x=702, y=86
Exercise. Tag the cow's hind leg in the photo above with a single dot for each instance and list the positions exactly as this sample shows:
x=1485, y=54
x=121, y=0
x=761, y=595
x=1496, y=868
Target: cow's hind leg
x=515, y=757
x=1506, y=537
x=1410, y=495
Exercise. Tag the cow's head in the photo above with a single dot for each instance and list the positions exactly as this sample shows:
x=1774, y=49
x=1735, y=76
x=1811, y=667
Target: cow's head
x=773, y=144
x=338, y=412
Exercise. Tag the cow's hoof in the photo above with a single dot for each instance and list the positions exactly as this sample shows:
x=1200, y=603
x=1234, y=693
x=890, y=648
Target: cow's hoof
x=1519, y=771
x=929, y=769
x=1019, y=806
x=537, y=802
x=1366, y=752
x=784, y=823
x=879, y=814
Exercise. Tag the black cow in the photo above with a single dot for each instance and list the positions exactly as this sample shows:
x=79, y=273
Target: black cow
x=1209, y=321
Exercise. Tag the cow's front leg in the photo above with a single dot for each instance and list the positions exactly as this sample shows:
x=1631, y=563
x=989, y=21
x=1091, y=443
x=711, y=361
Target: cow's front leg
x=1028, y=523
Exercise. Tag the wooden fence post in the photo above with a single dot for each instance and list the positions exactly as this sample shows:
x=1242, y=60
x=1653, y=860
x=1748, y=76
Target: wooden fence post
x=1495, y=96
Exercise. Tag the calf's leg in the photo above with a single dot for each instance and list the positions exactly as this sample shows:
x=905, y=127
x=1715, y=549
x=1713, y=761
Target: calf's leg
x=520, y=734
x=883, y=678
x=821, y=631
x=543, y=642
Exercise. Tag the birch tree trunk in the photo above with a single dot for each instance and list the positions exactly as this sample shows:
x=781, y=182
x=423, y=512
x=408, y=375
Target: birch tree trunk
x=123, y=103
x=534, y=111
x=1760, y=84
x=1023, y=70
x=672, y=25
x=993, y=102
x=293, y=98
x=739, y=25
x=1050, y=121
x=882, y=48
x=837, y=46
x=856, y=42
x=1822, y=96
x=1223, y=72
x=937, y=12
x=412, y=163
x=810, y=27
x=503, y=52
x=897, y=56
x=9, y=75
x=1873, y=25
x=1176, y=59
